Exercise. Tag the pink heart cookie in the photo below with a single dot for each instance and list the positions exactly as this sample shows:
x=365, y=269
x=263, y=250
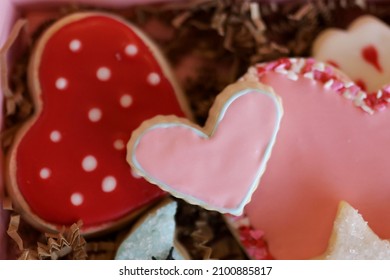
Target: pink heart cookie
x=332, y=146
x=361, y=52
x=218, y=166
x=94, y=79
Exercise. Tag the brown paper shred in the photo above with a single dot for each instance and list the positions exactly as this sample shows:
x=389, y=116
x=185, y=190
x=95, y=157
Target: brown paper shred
x=16, y=106
x=228, y=41
x=16, y=230
x=302, y=12
x=202, y=235
x=274, y=6
x=17, y=28
x=12, y=231
x=7, y=204
x=184, y=5
x=67, y=244
x=28, y=255
x=256, y=17
x=180, y=19
x=205, y=234
x=7, y=137
x=361, y=3
x=103, y=250
x=218, y=23
x=256, y=33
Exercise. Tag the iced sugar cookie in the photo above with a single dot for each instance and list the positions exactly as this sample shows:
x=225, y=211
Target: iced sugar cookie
x=94, y=78
x=361, y=51
x=217, y=166
x=331, y=146
x=352, y=238
x=153, y=236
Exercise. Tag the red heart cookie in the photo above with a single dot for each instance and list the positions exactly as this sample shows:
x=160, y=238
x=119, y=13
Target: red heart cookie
x=332, y=146
x=218, y=166
x=94, y=79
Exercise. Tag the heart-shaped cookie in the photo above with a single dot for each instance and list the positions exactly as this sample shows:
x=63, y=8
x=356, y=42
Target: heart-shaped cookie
x=94, y=78
x=218, y=166
x=331, y=146
x=361, y=52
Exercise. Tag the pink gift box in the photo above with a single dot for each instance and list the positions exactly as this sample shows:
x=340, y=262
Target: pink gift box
x=10, y=11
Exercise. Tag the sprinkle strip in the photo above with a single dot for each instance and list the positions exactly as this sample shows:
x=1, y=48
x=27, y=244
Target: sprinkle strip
x=326, y=74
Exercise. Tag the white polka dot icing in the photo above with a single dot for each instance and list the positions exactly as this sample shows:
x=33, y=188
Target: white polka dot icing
x=55, y=136
x=152, y=237
x=89, y=163
x=45, y=173
x=131, y=50
x=61, y=83
x=153, y=79
x=126, y=100
x=95, y=114
x=75, y=45
x=109, y=184
x=103, y=74
x=77, y=199
x=119, y=144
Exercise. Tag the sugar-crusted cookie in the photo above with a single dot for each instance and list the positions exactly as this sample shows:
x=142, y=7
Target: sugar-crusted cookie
x=331, y=146
x=361, y=52
x=217, y=166
x=352, y=238
x=153, y=236
x=94, y=78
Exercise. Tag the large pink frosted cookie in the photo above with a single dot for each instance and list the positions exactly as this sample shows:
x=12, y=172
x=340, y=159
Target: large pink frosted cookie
x=218, y=166
x=332, y=145
x=362, y=51
x=94, y=79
